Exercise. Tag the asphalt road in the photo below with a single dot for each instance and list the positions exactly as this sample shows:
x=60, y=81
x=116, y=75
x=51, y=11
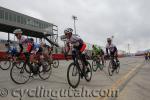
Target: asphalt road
x=139, y=87
x=132, y=82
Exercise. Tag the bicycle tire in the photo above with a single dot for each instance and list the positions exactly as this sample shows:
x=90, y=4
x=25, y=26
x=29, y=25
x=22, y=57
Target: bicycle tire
x=89, y=66
x=21, y=69
x=55, y=63
x=48, y=71
x=101, y=67
x=118, y=68
x=68, y=77
x=5, y=66
x=94, y=65
x=110, y=67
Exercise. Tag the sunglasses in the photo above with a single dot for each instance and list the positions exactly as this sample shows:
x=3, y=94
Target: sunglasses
x=108, y=41
x=16, y=34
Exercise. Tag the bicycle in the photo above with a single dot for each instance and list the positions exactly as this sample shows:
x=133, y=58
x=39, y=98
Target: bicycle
x=113, y=66
x=6, y=62
x=78, y=72
x=55, y=63
x=97, y=63
x=22, y=69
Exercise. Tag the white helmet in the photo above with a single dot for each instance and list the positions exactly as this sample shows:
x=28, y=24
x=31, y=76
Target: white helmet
x=17, y=31
x=68, y=30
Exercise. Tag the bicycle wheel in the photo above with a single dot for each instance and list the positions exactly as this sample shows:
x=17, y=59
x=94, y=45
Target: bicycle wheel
x=55, y=63
x=5, y=65
x=110, y=68
x=118, y=68
x=45, y=71
x=73, y=75
x=101, y=65
x=19, y=75
x=88, y=75
x=94, y=65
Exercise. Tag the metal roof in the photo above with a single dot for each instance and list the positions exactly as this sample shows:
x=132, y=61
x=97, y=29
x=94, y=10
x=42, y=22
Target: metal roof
x=11, y=20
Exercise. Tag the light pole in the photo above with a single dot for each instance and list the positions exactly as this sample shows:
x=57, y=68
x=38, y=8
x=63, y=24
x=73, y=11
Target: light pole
x=74, y=18
x=129, y=48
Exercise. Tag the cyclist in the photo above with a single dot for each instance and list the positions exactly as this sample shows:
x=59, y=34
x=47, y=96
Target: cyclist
x=46, y=52
x=36, y=47
x=98, y=52
x=36, y=50
x=148, y=55
x=24, y=44
x=77, y=44
x=111, y=50
x=11, y=49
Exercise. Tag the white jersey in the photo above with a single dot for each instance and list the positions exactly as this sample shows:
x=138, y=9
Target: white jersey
x=75, y=40
x=111, y=47
x=23, y=40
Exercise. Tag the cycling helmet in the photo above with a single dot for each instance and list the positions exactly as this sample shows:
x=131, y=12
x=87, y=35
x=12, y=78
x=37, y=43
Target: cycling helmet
x=109, y=39
x=68, y=30
x=17, y=31
x=93, y=46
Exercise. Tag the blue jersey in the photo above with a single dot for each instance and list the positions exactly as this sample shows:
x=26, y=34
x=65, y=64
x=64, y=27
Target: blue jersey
x=12, y=50
x=36, y=46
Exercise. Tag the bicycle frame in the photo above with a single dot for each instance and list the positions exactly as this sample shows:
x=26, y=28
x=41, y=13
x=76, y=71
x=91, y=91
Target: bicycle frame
x=82, y=71
x=112, y=60
x=114, y=63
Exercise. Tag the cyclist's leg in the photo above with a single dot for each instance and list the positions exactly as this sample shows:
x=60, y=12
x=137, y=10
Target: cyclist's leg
x=83, y=58
x=82, y=49
x=112, y=54
x=27, y=60
x=116, y=57
x=99, y=58
x=27, y=56
x=102, y=57
x=74, y=54
x=45, y=53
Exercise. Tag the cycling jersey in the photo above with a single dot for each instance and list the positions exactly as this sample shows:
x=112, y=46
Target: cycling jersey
x=36, y=46
x=25, y=45
x=23, y=40
x=12, y=50
x=113, y=51
x=95, y=51
x=112, y=48
x=76, y=41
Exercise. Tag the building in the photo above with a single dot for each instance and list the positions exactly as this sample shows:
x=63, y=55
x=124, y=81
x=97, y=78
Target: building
x=11, y=20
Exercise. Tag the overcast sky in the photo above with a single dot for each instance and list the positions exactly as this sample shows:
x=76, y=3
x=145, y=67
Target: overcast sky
x=127, y=20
